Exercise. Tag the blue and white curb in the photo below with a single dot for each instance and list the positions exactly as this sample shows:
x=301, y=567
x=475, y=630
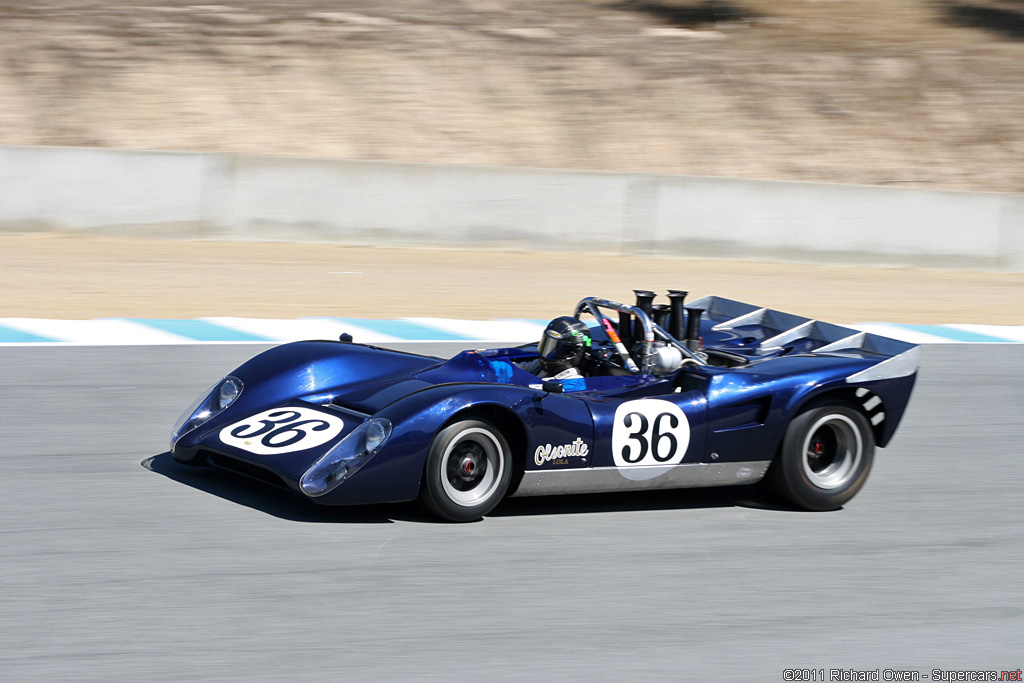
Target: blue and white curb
x=152, y=331
x=946, y=334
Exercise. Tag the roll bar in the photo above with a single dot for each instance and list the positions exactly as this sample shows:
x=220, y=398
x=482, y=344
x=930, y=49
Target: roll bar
x=651, y=330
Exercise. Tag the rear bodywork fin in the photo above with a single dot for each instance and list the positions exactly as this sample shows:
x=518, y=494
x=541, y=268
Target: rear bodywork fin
x=766, y=332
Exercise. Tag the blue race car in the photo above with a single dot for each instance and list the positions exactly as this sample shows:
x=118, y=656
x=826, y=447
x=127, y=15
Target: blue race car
x=644, y=396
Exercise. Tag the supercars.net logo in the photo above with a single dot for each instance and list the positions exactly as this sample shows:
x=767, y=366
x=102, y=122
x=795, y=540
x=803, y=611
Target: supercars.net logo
x=898, y=675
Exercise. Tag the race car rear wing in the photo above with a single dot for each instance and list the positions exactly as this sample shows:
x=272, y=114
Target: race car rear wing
x=757, y=331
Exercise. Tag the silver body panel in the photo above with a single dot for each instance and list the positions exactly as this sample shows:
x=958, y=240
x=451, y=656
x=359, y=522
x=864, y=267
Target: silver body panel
x=604, y=479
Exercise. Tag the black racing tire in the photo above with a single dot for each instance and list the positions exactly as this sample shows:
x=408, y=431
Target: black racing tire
x=468, y=471
x=824, y=459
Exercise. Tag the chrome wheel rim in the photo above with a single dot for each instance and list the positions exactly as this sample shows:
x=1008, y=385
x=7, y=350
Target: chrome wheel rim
x=832, y=452
x=471, y=467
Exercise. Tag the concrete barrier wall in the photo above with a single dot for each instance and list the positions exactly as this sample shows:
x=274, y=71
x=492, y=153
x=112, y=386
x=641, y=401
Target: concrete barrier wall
x=238, y=197
x=75, y=189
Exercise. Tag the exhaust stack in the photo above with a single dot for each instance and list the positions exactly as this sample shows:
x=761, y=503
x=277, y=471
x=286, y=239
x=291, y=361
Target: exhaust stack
x=662, y=312
x=677, y=320
x=693, y=316
x=645, y=302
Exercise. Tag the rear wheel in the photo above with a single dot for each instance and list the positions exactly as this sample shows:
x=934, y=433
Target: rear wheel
x=825, y=458
x=467, y=472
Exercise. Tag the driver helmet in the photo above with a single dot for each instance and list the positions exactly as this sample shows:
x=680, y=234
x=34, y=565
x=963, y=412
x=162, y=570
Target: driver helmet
x=563, y=344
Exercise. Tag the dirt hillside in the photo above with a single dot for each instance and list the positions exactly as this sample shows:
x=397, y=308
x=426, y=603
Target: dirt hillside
x=926, y=93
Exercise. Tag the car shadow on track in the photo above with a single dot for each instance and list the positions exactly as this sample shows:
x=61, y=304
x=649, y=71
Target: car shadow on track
x=273, y=501
x=636, y=501
x=285, y=505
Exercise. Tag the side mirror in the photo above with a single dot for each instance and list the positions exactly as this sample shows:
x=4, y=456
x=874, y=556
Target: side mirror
x=553, y=387
x=345, y=337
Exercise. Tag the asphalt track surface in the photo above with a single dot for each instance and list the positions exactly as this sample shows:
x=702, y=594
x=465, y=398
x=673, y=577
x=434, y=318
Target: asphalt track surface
x=118, y=564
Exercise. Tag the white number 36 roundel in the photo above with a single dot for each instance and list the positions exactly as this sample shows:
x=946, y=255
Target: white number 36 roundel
x=282, y=430
x=649, y=432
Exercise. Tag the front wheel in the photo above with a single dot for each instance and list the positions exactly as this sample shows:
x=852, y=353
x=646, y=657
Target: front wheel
x=825, y=458
x=467, y=472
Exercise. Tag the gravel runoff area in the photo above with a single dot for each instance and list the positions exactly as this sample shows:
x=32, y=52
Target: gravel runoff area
x=80, y=277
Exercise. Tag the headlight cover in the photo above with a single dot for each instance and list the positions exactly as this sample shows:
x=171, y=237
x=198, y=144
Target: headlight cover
x=342, y=461
x=211, y=402
x=230, y=390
